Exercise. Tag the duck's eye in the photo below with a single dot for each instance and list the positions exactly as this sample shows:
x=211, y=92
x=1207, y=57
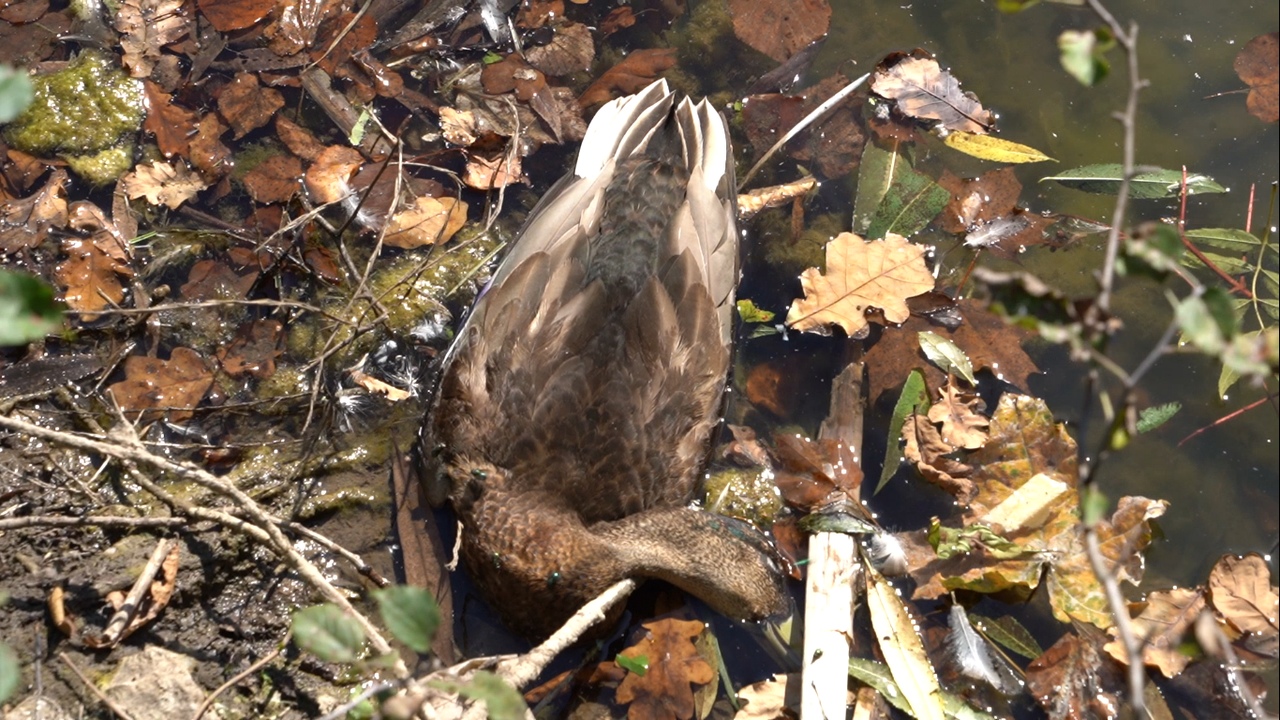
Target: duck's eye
x=553, y=579
x=480, y=475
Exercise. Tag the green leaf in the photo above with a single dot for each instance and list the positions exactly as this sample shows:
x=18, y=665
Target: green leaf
x=912, y=202
x=877, y=676
x=1146, y=185
x=1009, y=634
x=1226, y=263
x=946, y=355
x=1093, y=505
x=411, y=614
x=1155, y=416
x=750, y=312
x=876, y=172
x=15, y=92
x=491, y=58
x=1208, y=322
x=1154, y=251
x=10, y=672
x=328, y=633
x=949, y=542
x=989, y=147
x=28, y=311
x=913, y=398
x=638, y=664
x=501, y=700
x=1081, y=54
x=1237, y=241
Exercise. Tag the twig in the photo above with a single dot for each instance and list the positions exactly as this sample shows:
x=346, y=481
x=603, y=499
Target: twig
x=522, y=670
x=115, y=630
x=130, y=449
x=1229, y=417
x=111, y=705
x=1120, y=613
x=93, y=520
x=264, y=660
x=799, y=127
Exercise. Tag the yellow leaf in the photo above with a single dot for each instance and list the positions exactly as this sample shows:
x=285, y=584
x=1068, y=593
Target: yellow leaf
x=902, y=648
x=429, y=221
x=861, y=275
x=988, y=147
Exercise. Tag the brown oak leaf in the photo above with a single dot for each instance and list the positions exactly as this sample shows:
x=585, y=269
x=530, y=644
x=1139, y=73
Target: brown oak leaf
x=428, y=221
x=91, y=276
x=163, y=387
x=1258, y=65
x=1165, y=618
x=146, y=26
x=26, y=222
x=664, y=691
x=861, y=275
x=1241, y=589
x=161, y=183
x=246, y=105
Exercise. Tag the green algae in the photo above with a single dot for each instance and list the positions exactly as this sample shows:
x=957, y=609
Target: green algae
x=84, y=111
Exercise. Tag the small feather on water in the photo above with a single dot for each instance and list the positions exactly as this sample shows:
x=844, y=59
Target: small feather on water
x=973, y=656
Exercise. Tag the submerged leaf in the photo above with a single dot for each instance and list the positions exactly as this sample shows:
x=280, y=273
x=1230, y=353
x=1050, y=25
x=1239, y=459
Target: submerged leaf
x=1257, y=65
x=922, y=89
x=1147, y=184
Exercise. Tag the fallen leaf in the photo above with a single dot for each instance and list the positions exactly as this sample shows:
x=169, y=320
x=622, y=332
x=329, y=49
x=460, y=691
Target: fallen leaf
x=979, y=200
x=246, y=105
x=254, y=349
x=378, y=387
x=428, y=221
x=1149, y=184
x=921, y=89
x=831, y=147
x=328, y=180
x=492, y=171
x=925, y=448
x=664, y=691
x=570, y=51
x=146, y=26
x=213, y=280
x=957, y=412
x=275, y=180
x=298, y=139
x=513, y=75
x=780, y=28
x=753, y=201
x=619, y=18
x=171, y=125
x=770, y=699
x=811, y=473
x=892, y=196
x=1166, y=617
x=208, y=154
x=903, y=650
x=458, y=126
x=229, y=15
x=1075, y=680
x=90, y=277
x=987, y=340
x=635, y=72
x=162, y=388
x=989, y=147
x=948, y=356
x=161, y=183
x=1241, y=590
x=25, y=223
x=1258, y=65
x=860, y=275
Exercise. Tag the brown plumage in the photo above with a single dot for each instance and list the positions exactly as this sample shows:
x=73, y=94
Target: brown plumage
x=576, y=405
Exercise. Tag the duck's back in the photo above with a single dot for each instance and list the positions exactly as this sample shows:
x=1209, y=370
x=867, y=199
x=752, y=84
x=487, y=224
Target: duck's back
x=592, y=368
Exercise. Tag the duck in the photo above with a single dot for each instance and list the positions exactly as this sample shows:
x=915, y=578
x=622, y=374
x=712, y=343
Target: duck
x=571, y=424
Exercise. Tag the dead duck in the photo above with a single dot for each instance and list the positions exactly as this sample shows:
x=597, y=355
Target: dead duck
x=575, y=408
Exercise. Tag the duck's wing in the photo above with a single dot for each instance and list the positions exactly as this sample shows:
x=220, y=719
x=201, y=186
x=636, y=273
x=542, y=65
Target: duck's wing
x=591, y=369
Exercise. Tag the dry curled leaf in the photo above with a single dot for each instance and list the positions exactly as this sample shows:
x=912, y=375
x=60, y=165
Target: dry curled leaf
x=770, y=699
x=428, y=221
x=923, y=90
x=26, y=222
x=861, y=275
x=664, y=691
x=926, y=449
x=958, y=413
x=1241, y=590
x=1166, y=617
x=159, y=388
x=145, y=27
x=168, y=184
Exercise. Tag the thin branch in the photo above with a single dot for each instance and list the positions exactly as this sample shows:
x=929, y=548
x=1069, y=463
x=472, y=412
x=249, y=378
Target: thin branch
x=799, y=127
x=240, y=676
x=102, y=697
